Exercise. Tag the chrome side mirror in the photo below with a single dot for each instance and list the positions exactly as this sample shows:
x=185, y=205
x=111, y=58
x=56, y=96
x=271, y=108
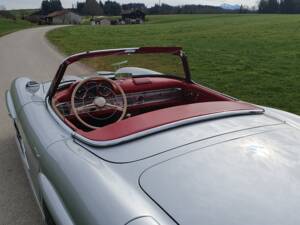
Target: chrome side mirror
x=32, y=87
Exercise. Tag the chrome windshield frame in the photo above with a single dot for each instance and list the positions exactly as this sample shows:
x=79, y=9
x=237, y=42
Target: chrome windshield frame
x=101, y=53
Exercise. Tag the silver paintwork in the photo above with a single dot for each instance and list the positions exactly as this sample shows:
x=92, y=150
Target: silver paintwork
x=207, y=172
x=169, y=140
x=146, y=220
x=250, y=180
x=54, y=203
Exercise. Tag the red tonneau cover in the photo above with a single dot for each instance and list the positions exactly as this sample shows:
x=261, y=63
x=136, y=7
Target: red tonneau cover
x=162, y=117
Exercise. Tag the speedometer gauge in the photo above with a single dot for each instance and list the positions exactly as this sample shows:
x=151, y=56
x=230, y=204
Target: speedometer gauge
x=104, y=91
x=81, y=93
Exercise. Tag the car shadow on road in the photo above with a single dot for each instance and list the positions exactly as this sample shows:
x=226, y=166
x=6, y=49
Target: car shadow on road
x=17, y=204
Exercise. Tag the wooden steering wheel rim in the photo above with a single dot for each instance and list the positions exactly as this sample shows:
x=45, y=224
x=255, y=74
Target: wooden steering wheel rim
x=114, y=84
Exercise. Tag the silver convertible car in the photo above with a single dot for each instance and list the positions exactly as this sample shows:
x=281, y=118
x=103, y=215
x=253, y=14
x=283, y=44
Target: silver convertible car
x=125, y=137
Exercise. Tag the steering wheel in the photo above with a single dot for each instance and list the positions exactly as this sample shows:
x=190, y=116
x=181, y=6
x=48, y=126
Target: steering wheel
x=97, y=100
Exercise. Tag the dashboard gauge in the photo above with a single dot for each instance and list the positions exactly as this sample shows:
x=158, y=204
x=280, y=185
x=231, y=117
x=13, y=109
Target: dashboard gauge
x=91, y=84
x=104, y=91
x=91, y=89
x=81, y=93
x=90, y=95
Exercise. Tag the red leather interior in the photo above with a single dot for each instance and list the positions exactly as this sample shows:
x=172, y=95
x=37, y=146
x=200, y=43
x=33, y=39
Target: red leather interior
x=162, y=117
x=152, y=83
x=196, y=101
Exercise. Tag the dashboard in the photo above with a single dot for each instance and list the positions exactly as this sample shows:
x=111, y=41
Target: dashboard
x=135, y=101
x=99, y=103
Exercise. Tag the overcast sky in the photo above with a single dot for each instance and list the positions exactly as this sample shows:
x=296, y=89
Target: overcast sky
x=17, y=4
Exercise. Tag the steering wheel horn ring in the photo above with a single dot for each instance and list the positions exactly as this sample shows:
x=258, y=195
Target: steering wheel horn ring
x=99, y=101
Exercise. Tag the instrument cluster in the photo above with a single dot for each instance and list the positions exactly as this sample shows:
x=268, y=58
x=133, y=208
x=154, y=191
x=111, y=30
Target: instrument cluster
x=90, y=91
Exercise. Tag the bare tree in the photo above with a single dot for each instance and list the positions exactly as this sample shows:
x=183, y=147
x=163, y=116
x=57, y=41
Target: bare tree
x=2, y=7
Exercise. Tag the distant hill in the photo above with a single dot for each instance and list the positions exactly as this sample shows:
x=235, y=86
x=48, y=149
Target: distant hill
x=230, y=6
x=19, y=13
x=7, y=15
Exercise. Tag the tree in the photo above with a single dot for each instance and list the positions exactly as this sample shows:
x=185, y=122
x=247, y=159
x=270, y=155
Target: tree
x=45, y=7
x=274, y=6
x=101, y=6
x=289, y=6
x=2, y=8
x=134, y=6
x=269, y=6
x=243, y=9
x=92, y=8
x=155, y=9
x=284, y=6
x=81, y=9
x=112, y=8
x=297, y=6
x=50, y=6
x=55, y=5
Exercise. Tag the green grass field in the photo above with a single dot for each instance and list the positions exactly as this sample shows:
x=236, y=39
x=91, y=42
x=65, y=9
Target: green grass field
x=7, y=26
x=255, y=58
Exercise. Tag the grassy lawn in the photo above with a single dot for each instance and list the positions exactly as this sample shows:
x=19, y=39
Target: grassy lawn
x=7, y=26
x=255, y=58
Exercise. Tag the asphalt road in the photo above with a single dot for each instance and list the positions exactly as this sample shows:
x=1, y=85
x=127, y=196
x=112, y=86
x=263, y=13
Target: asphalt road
x=22, y=53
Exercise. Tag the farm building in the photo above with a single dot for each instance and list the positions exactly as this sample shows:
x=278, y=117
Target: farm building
x=63, y=17
x=57, y=17
x=133, y=16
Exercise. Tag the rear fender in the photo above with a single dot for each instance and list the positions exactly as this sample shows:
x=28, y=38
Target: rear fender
x=53, y=202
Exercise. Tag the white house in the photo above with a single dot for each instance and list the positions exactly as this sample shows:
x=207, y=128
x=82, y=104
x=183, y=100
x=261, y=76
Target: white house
x=63, y=17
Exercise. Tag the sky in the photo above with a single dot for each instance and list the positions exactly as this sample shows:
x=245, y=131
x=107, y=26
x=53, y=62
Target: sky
x=22, y=4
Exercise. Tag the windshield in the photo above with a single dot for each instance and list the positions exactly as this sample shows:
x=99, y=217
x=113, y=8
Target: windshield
x=119, y=63
x=128, y=65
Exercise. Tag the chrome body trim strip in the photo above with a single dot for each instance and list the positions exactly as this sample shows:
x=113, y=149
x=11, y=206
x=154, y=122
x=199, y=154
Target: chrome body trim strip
x=10, y=105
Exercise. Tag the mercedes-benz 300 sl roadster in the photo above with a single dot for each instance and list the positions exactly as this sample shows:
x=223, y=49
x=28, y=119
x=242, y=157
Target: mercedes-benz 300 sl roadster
x=126, y=137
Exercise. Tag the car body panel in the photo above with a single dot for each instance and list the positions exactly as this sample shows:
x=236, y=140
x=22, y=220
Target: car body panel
x=291, y=119
x=53, y=160
x=53, y=201
x=147, y=220
x=93, y=191
x=250, y=180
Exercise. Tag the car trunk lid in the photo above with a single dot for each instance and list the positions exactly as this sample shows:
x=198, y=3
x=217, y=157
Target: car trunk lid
x=250, y=180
